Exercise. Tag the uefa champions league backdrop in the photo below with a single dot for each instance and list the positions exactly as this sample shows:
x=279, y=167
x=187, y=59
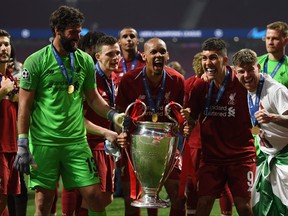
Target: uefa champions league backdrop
x=183, y=24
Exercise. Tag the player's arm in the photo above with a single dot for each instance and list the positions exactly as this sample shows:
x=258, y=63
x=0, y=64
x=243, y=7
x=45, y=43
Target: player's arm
x=101, y=107
x=24, y=158
x=26, y=98
x=263, y=116
x=100, y=131
x=96, y=102
x=281, y=118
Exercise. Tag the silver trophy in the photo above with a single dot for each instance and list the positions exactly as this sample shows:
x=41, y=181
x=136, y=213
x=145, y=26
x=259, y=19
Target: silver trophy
x=153, y=151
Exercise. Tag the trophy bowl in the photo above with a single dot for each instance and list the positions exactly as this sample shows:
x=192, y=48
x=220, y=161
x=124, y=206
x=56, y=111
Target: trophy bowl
x=153, y=150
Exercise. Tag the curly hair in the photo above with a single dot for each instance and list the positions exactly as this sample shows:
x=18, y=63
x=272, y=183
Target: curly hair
x=89, y=40
x=197, y=64
x=65, y=16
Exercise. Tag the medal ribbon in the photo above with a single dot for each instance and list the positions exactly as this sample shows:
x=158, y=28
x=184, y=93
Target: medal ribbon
x=132, y=65
x=160, y=95
x=276, y=68
x=62, y=67
x=219, y=95
x=137, y=110
x=110, y=89
x=176, y=111
x=255, y=107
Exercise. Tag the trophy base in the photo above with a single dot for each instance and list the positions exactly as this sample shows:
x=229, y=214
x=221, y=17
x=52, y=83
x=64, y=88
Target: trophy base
x=150, y=202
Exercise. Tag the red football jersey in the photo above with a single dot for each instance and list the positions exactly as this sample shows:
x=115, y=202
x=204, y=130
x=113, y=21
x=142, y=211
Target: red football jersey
x=194, y=140
x=8, y=118
x=97, y=142
x=132, y=87
x=129, y=66
x=225, y=132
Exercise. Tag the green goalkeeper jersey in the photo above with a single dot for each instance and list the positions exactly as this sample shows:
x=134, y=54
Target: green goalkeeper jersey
x=57, y=116
x=282, y=73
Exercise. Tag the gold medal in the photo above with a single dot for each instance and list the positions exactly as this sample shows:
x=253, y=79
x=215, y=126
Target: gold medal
x=255, y=130
x=154, y=117
x=70, y=89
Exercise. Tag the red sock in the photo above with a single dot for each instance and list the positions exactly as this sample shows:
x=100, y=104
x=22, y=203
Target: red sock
x=70, y=201
x=226, y=202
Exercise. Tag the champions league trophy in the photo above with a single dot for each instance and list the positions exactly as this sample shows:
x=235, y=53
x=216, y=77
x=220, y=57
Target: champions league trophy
x=153, y=151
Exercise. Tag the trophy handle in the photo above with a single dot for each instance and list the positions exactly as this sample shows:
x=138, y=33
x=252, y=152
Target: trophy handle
x=167, y=112
x=137, y=101
x=176, y=126
x=136, y=117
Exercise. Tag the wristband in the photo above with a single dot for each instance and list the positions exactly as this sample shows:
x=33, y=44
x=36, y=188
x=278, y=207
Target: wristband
x=22, y=135
x=110, y=114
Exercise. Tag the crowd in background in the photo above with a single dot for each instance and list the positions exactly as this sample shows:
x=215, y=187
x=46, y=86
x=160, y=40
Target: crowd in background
x=62, y=115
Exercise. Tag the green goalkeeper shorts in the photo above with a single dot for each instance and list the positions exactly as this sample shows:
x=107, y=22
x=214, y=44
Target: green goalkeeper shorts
x=74, y=163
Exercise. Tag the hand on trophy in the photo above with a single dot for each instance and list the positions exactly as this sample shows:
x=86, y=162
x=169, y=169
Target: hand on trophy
x=189, y=121
x=127, y=122
x=122, y=140
x=185, y=113
x=187, y=130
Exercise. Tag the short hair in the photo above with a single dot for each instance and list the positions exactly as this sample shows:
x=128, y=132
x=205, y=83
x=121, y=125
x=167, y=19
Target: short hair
x=128, y=27
x=4, y=33
x=280, y=26
x=65, y=16
x=152, y=41
x=215, y=44
x=197, y=64
x=105, y=40
x=244, y=57
x=89, y=39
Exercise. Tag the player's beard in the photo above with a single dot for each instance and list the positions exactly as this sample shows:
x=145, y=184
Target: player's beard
x=67, y=44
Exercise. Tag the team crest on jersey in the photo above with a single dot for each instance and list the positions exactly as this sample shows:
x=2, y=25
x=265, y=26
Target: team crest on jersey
x=232, y=99
x=167, y=97
x=25, y=74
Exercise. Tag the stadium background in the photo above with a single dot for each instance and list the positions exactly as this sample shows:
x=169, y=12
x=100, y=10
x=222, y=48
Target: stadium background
x=183, y=24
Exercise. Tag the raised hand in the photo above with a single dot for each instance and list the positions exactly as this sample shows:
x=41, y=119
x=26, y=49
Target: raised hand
x=7, y=85
x=262, y=115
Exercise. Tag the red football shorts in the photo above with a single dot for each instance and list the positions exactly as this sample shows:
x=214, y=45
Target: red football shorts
x=240, y=178
x=10, y=178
